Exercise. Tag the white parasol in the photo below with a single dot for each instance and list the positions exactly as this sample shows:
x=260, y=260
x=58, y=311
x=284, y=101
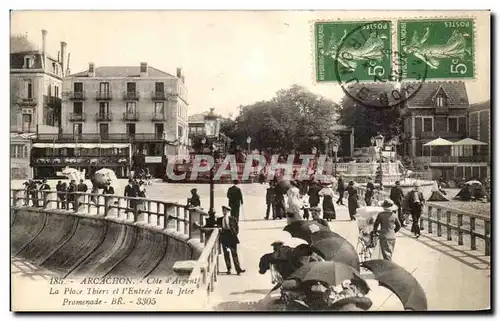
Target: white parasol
x=473, y=182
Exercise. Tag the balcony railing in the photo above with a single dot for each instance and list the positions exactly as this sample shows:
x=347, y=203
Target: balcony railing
x=158, y=95
x=77, y=95
x=96, y=137
x=27, y=102
x=158, y=117
x=131, y=95
x=131, y=116
x=442, y=134
x=103, y=117
x=454, y=159
x=119, y=160
x=77, y=117
x=51, y=101
x=103, y=95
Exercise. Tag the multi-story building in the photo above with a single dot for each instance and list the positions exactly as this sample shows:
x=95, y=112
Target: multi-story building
x=137, y=105
x=480, y=129
x=35, y=96
x=440, y=110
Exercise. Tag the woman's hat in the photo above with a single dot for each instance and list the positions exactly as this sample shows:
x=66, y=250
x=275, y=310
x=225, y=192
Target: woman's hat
x=224, y=207
x=351, y=183
x=387, y=204
x=416, y=184
x=398, y=183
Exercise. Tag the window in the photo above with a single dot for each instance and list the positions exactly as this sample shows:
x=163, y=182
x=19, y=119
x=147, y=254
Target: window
x=103, y=109
x=180, y=131
x=104, y=130
x=18, y=151
x=78, y=87
x=462, y=125
x=77, y=129
x=159, y=87
x=29, y=89
x=159, y=128
x=26, y=124
x=453, y=124
x=28, y=62
x=131, y=87
x=427, y=124
x=104, y=87
x=77, y=107
x=130, y=108
x=56, y=91
x=49, y=90
x=54, y=68
x=159, y=108
x=131, y=129
x=440, y=101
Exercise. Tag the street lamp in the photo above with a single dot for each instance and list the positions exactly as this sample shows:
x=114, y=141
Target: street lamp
x=211, y=131
x=335, y=149
x=249, y=140
x=379, y=141
x=327, y=140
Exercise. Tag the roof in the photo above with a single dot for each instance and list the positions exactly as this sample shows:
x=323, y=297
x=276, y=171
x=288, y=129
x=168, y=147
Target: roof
x=469, y=142
x=122, y=71
x=22, y=44
x=439, y=142
x=197, y=117
x=484, y=105
x=370, y=94
x=424, y=96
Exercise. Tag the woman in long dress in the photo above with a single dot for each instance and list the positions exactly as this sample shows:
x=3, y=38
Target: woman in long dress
x=328, y=208
x=352, y=200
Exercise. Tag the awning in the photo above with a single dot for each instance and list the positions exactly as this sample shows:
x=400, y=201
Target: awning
x=73, y=145
x=439, y=142
x=469, y=142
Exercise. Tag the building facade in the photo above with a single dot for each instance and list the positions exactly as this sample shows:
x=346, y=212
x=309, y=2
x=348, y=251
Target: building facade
x=479, y=122
x=35, y=96
x=138, y=105
x=440, y=110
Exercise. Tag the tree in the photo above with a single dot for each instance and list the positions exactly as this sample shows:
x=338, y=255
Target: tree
x=370, y=114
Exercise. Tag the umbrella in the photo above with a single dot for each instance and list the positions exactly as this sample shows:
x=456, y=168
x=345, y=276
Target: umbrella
x=329, y=272
x=333, y=247
x=399, y=281
x=473, y=182
x=304, y=229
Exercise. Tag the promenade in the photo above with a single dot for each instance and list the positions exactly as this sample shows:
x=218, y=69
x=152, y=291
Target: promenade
x=453, y=277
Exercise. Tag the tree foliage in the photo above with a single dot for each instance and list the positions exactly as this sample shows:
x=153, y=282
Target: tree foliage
x=295, y=119
x=371, y=115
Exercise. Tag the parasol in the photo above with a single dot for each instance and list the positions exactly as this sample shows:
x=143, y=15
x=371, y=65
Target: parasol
x=304, y=229
x=399, y=281
x=333, y=247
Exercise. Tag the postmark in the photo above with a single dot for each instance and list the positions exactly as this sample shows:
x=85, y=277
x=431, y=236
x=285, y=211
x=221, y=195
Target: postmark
x=378, y=82
x=352, y=49
x=444, y=46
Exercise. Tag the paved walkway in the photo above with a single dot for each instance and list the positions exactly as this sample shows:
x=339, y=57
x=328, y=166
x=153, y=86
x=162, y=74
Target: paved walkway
x=450, y=284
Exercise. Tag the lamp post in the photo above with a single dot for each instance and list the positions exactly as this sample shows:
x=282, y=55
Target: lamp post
x=335, y=149
x=249, y=140
x=327, y=140
x=211, y=131
x=379, y=141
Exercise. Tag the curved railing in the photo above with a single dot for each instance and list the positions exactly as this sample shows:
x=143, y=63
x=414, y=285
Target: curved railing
x=455, y=222
x=166, y=215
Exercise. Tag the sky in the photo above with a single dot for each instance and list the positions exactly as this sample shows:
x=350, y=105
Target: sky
x=228, y=58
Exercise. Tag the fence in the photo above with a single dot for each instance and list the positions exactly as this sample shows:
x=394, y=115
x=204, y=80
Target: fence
x=181, y=218
x=454, y=223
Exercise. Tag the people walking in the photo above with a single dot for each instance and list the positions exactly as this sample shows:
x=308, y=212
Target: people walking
x=352, y=200
x=369, y=192
x=43, y=188
x=194, y=200
x=340, y=190
x=313, y=193
x=397, y=196
x=328, y=207
x=131, y=190
x=416, y=203
x=235, y=200
x=279, y=204
x=389, y=225
x=61, y=194
x=229, y=239
x=270, y=196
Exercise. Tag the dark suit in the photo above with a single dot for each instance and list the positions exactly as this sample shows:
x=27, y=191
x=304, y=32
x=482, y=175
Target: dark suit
x=229, y=240
x=235, y=200
x=369, y=193
x=416, y=204
x=397, y=196
x=131, y=191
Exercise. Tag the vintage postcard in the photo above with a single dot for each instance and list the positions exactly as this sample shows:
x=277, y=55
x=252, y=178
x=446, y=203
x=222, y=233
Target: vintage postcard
x=250, y=161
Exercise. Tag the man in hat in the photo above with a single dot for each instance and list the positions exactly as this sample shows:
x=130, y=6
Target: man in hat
x=397, y=196
x=389, y=226
x=229, y=239
x=416, y=203
x=369, y=192
x=235, y=200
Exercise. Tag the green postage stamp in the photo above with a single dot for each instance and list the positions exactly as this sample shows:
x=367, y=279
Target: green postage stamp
x=347, y=51
x=438, y=49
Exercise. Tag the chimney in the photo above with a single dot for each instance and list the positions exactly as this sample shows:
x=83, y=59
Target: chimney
x=44, y=46
x=144, y=69
x=63, y=55
x=91, y=69
x=179, y=72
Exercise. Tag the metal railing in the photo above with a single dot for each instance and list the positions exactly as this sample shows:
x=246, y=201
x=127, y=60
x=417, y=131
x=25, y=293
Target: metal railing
x=27, y=101
x=454, y=159
x=158, y=117
x=103, y=117
x=77, y=116
x=130, y=95
x=131, y=116
x=158, y=95
x=96, y=137
x=455, y=222
x=77, y=95
x=103, y=95
x=80, y=160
